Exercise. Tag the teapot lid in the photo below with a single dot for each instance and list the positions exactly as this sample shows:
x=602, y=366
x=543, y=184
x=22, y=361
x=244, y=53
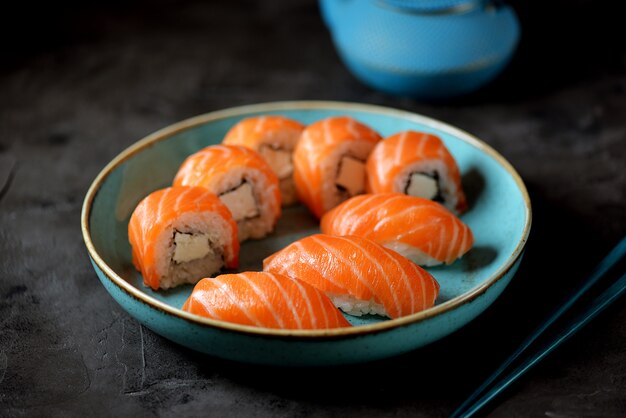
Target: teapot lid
x=435, y=6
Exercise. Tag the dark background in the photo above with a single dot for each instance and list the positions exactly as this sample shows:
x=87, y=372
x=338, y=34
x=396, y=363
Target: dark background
x=81, y=81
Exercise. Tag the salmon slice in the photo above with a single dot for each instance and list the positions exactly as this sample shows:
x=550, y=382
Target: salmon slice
x=420, y=229
x=274, y=138
x=418, y=164
x=244, y=182
x=360, y=276
x=329, y=162
x=190, y=212
x=264, y=300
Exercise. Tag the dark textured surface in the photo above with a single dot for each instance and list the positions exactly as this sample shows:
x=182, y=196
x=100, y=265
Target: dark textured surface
x=80, y=83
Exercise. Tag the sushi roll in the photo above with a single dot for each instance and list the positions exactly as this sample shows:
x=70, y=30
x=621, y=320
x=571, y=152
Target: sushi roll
x=274, y=138
x=242, y=180
x=422, y=230
x=264, y=300
x=417, y=164
x=360, y=276
x=329, y=162
x=181, y=234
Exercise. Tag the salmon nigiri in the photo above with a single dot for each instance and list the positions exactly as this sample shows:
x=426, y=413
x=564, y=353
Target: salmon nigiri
x=417, y=164
x=419, y=229
x=242, y=180
x=181, y=234
x=274, y=138
x=359, y=276
x=264, y=300
x=329, y=162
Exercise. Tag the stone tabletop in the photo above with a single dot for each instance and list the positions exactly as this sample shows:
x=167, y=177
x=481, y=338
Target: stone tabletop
x=81, y=81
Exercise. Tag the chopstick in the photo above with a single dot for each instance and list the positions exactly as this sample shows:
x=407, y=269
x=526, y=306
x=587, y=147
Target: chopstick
x=486, y=392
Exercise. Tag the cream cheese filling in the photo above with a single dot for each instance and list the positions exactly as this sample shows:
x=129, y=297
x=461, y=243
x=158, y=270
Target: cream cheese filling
x=240, y=202
x=190, y=247
x=422, y=185
x=351, y=175
x=278, y=159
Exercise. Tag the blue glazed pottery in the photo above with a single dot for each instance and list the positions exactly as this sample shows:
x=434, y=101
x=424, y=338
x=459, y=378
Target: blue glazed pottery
x=429, y=49
x=499, y=216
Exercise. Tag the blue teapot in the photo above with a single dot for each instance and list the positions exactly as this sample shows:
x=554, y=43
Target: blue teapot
x=430, y=49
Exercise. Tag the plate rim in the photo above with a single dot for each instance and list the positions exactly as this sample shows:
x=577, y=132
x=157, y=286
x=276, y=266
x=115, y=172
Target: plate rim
x=361, y=330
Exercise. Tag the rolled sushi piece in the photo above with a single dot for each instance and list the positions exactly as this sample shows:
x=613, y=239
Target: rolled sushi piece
x=180, y=235
x=424, y=231
x=274, y=138
x=358, y=275
x=417, y=164
x=329, y=162
x=264, y=300
x=242, y=180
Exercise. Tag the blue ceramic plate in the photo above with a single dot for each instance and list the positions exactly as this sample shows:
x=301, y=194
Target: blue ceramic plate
x=499, y=216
